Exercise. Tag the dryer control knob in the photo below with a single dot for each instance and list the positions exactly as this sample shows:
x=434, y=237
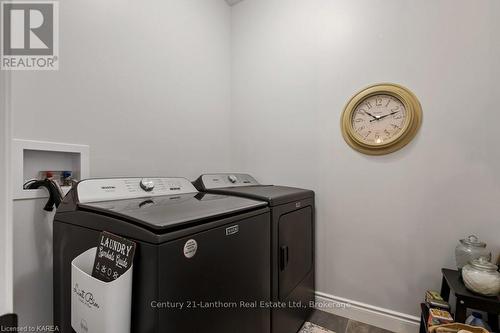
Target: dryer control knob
x=147, y=184
x=232, y=178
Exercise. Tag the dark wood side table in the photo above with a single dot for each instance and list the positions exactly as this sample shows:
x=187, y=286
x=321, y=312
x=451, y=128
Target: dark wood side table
x=466, y=299
x=423, y=319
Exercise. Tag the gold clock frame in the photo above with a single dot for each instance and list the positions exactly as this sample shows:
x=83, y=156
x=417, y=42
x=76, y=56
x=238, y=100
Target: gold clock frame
x=410, y=128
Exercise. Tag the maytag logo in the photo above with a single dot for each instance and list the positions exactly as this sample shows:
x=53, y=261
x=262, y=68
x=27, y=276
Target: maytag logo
x=232, y=230
x=86, y=298
x=30, y=35
x=108, y=187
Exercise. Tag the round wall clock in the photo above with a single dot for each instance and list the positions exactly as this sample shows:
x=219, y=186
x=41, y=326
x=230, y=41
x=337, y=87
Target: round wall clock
x=381, y=119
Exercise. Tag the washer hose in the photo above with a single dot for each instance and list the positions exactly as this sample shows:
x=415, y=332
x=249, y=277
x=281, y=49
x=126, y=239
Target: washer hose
x=55, y=192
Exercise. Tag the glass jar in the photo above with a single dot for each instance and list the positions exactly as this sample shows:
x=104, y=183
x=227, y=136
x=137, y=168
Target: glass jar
x=482, y=276
x=469, y=249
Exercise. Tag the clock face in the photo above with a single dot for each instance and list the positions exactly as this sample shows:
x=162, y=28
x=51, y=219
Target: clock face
x=379, y=119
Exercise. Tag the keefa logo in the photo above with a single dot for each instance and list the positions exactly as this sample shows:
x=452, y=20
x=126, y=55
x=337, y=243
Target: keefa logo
x=30, y=32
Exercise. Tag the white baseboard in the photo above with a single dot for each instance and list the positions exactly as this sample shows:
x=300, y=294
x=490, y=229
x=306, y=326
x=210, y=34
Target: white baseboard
x=369, y=314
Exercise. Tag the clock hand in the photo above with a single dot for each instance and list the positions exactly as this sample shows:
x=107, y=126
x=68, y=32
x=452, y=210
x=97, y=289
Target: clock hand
x=381, y=117
x=387, y=115
x=368, y=113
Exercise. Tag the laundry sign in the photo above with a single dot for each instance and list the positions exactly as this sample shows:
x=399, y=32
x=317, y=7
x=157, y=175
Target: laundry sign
x=114, y=256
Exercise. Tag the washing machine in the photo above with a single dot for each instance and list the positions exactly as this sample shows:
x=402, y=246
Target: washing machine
x=231, y=262
x=292, y=243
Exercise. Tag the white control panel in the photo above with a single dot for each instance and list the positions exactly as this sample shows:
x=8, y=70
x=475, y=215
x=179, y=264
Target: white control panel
x=94, y=190
x=212, y=181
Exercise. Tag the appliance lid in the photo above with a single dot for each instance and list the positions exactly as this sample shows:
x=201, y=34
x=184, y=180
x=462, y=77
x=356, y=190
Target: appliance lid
x=166, y=212
x=243, y=185
x=157, y=203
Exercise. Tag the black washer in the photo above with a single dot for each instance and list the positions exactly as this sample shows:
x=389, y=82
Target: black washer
x=231, y=263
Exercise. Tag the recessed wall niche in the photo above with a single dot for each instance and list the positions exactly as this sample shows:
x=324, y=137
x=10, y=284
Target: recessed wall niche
x=30, y=158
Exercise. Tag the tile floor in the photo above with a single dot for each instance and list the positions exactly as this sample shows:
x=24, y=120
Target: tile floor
x=341, y=324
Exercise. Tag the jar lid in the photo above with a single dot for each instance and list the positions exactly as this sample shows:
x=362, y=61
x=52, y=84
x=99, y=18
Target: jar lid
x=472, y=240
x=484, y=264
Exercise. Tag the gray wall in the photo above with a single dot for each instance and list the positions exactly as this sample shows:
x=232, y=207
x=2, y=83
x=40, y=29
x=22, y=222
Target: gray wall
x=386, y=225
x=146, y=85
x=5, y=206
